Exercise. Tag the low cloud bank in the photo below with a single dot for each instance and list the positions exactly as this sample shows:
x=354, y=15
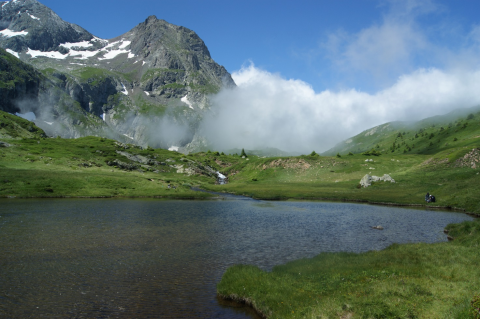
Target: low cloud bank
x=267, y=110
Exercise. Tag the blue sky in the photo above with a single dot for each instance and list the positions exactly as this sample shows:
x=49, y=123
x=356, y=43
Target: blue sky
x=288, y=37
x=313, y=73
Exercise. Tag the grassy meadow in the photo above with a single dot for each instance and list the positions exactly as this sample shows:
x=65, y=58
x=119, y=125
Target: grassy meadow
x=402, y=281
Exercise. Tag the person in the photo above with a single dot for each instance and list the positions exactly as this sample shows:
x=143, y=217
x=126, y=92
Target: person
x=432, y=199
x=427, y=197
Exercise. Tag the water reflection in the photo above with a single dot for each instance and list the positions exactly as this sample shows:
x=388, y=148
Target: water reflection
x=150, y=258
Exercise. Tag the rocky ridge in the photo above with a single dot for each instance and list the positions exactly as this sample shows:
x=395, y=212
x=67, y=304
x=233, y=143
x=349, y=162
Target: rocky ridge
x=138, y=87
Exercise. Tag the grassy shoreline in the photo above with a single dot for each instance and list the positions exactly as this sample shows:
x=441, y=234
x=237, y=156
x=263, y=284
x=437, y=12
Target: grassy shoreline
x=402, y=281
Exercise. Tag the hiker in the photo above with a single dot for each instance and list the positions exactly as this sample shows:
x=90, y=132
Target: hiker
x=427, y=197
x=432, y=199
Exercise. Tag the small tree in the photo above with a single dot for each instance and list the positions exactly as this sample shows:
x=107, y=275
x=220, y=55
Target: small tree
x=470, y=116
x=243, y=153
x=338, y=155
x=313, y=153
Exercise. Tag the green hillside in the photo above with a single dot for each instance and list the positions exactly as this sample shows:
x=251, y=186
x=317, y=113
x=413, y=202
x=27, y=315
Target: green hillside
x=15, y=127
x=429, y=136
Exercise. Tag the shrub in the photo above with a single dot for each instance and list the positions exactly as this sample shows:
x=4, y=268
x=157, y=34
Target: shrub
x=338, y=155
x=313, y=153
x=373, y=152
x=243, y=153
x=455, y=139
x=350, y=153
x=470, y=116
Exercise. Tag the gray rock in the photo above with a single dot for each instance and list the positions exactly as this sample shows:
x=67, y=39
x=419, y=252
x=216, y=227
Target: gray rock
x=367, y=179
x=4, y=144
x=44, y=29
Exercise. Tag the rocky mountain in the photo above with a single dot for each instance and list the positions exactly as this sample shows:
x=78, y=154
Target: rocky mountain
x=28, y=24
x=150, y=85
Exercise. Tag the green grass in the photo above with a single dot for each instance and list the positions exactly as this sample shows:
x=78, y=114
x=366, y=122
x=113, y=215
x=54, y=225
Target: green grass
x=333, y=178
x=14, y=127
x=151, y=73
x=430, y=136
x=79, y=168
x=402, y=281
x=14, y=72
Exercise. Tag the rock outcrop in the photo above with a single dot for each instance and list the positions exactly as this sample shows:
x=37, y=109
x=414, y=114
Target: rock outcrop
x=471, y=159
x=367, y=180
x=28, y=24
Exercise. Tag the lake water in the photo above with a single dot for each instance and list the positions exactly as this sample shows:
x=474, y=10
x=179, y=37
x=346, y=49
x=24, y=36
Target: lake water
x=135, y=258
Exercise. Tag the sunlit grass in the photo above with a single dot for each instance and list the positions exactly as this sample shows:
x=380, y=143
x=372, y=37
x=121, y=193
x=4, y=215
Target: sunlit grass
x=402, y=281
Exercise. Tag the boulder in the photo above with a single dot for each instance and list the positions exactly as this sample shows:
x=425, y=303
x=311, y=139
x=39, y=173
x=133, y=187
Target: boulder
x=367, y=179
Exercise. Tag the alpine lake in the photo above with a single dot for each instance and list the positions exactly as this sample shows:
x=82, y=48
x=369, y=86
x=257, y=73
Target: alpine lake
x=150, y=258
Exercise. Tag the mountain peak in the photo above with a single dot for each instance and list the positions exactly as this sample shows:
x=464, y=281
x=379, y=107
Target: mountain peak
x=151, y=19
x=28, y=24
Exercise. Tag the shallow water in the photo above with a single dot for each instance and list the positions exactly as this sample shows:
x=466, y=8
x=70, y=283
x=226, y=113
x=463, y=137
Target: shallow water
x=126, y=258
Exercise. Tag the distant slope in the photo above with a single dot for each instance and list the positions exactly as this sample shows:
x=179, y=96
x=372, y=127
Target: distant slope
x=431, y=135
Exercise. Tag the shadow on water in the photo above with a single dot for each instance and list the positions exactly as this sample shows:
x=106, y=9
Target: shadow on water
x=147, y=258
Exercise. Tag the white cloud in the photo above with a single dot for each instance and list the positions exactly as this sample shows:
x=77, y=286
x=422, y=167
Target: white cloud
x=268, y=110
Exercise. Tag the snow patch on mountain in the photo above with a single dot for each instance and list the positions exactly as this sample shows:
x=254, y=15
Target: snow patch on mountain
x=9, y=33
x=49, y=54
x=83, y=44
x=33, y=17
x=113, y=54
x=125, y=91
x=186, y=101
x=13, y=53
x=124, y=44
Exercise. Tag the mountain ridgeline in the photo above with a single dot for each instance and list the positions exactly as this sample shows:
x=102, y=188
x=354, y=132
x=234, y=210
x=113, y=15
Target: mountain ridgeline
x=149, y=86
x=459, y=128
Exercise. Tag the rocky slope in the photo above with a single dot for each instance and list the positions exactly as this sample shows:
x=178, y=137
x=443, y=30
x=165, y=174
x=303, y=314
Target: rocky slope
x=150, y=85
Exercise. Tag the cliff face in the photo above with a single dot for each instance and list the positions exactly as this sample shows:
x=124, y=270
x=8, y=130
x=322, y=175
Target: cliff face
x=150, y=85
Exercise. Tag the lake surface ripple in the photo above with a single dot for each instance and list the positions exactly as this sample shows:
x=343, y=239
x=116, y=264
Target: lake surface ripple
x=124, y=258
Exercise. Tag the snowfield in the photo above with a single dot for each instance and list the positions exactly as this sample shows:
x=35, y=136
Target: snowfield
x=9, y=33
